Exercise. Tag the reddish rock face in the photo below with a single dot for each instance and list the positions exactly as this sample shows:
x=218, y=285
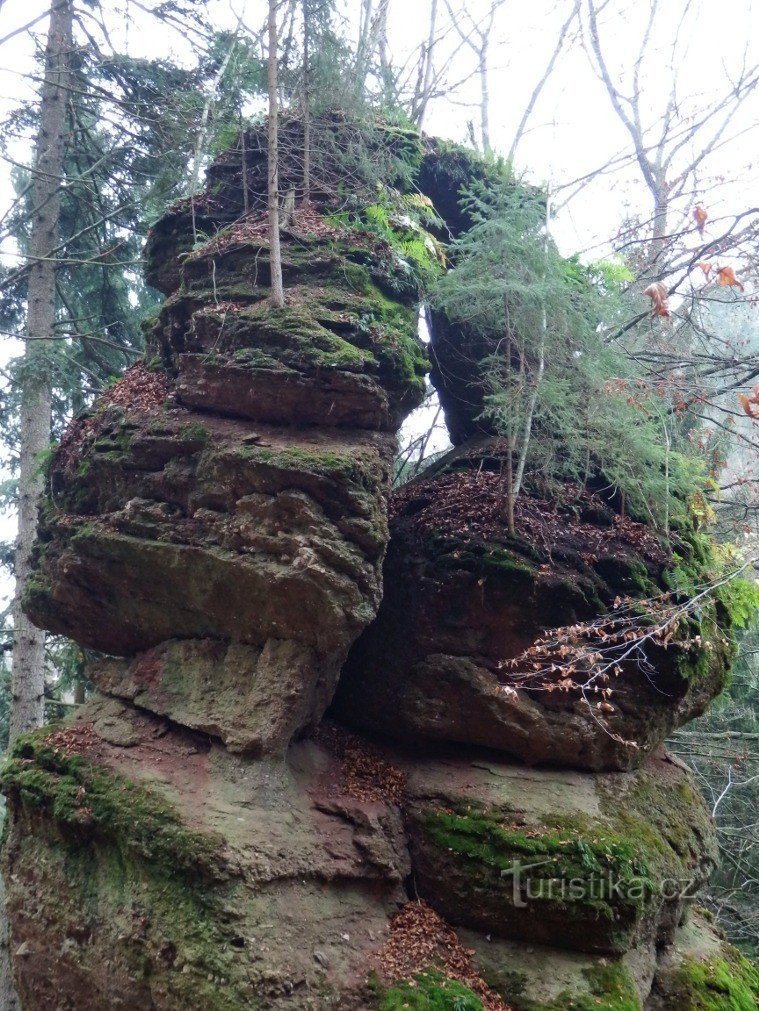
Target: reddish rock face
x=187, y=524
x=462, y=599
x=196, y=835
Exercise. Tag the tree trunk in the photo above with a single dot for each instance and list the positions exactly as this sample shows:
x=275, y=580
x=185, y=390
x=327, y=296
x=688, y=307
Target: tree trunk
x=484, y=98
x=421, y=100
x=275, y=255
x=29, y=642
x=306, y=105
x=8, y=999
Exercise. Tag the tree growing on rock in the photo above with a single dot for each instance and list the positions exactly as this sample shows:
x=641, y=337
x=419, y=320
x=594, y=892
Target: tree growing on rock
x=566, y=403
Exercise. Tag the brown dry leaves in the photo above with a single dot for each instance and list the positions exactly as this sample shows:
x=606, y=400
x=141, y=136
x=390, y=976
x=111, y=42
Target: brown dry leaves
x=254, y=230
x=365, y=773
x=471, y=504
x=74, y=740
x=139, y=389
x=420, y=939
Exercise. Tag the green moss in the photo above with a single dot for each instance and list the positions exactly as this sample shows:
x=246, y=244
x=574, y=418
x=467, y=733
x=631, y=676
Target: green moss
x=670, y=825
x=609, y=988
x=114, y=856
x=562, y=851
x=716, y=985
x=430, y=991
x=89, y=801
x=345, y=467
x=195, y=433
x=477, y=556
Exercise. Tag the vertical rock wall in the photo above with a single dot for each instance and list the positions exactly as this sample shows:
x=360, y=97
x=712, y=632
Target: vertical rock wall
x=199, y=835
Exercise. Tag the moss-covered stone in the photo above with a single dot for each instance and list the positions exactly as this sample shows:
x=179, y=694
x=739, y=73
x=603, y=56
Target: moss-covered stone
x=702, y=972
x=610, y=988
x=90, y=801
x=597, y=881
x=113, y=857
x=429, y=991
x=717, y=985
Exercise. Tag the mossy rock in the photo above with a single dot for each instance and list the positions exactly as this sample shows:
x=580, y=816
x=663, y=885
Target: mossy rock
x=703, y=972
x=599, y=882
x=116, y=869
x=430, y=990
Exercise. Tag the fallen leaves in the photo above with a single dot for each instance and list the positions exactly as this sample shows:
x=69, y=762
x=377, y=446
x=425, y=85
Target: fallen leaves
x=420, y=939
x=365, y=772
x=74, y=740
x=468, y=505
x=139, y=389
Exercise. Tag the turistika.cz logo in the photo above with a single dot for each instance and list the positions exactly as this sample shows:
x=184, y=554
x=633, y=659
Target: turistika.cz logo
x=528, y=886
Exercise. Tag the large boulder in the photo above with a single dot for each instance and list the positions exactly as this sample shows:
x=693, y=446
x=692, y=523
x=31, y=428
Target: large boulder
x=149, y=868
x=601, y=864
x=463, y=600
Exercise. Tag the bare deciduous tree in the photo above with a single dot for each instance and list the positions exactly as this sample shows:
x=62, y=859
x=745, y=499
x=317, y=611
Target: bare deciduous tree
x=476, y=35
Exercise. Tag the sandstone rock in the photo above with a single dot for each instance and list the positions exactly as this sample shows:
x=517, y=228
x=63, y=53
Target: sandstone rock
x=217, y=525
x=462, y=599
x=184, y=524
x=197, y=879
x=255, y=700
x=701, y=970
x=537, y=978
x=601, y=864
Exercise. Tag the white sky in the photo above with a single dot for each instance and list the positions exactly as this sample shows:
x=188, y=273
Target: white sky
x=573, y=131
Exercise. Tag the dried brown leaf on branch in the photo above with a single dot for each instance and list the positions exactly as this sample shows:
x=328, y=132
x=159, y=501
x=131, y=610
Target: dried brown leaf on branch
x=727, y=279
x=700, y=216
x=657, y=292
x=750, y=403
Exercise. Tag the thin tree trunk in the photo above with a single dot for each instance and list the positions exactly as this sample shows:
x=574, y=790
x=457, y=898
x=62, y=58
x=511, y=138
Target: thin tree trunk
x=275, y=255
x=422, y=100
x=306, y=105
x=8, y=999
x=484, y=98
x=527, y=432
x=200, y=142
x=28, y=673
x=28, y=679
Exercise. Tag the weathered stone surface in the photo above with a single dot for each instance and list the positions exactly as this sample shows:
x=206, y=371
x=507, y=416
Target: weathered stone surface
x=462, y=598
x=702, y=972
x=182, y=524
x=536, y=978
x=601, y=864
x=255, y=700
x=217, y=524
x=171, y=875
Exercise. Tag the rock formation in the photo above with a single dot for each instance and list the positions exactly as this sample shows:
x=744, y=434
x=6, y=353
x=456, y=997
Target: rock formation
x=216, y=535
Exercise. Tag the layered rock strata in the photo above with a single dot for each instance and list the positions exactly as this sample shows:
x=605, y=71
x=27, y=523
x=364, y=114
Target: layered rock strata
x=446, y=659
x=216, y=535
